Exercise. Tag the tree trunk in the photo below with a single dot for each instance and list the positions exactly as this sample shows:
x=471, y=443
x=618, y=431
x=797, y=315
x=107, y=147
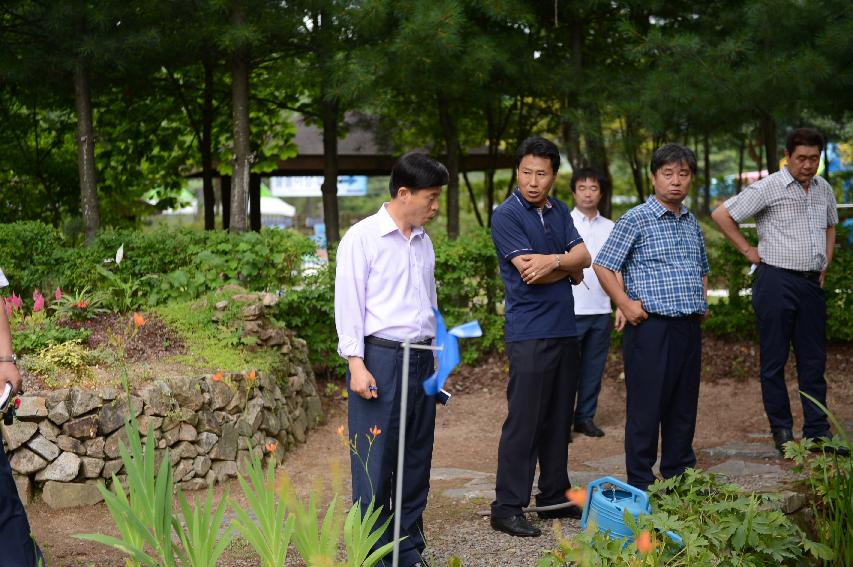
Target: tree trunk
x=225, y=189
x=255, y=202
x=768, y=129
x=740, y=156
x=242, y=151
x=472, y=197
x=597, y=152
x=706, y=189
x=451, y=140
x=329, y=109
x=629, y=144
x=86, y=152
x=205, y=147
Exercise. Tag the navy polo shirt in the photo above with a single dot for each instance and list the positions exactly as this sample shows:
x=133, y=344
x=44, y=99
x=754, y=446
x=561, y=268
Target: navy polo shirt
x=544, y=311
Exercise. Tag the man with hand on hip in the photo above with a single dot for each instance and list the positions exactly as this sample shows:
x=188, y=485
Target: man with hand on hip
x=796, y=214
x=540, y=255
x=384, y=295
x=660, y=251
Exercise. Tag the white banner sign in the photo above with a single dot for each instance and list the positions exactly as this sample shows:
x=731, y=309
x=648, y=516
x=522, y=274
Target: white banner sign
x=309, y=186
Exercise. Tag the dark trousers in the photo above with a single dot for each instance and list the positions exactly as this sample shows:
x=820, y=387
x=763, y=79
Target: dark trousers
x=662, y=364
x=543, y=380
x=374, y=467
x=791, y=309
x=17, y=548
x=594, y=339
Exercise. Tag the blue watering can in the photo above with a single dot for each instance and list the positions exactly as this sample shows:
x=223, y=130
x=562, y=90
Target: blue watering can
x=607, y=499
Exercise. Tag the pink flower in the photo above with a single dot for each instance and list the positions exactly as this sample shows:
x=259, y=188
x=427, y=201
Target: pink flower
x=57, y=294
x=38, y=301
x=16, y=301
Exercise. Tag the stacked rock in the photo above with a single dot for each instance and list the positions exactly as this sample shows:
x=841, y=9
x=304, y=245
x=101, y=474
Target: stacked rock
x=66, y=441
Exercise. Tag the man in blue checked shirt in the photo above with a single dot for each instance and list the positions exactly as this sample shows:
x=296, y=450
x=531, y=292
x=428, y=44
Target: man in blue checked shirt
x=660, y=251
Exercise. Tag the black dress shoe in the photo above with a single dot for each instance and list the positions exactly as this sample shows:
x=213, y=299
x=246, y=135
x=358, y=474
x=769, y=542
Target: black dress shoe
x=588, y=428
x=780, y=437
x=571, y=511
x=515, y=526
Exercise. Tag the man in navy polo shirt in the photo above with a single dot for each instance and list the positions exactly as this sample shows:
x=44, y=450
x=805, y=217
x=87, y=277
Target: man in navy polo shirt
x=540, y=254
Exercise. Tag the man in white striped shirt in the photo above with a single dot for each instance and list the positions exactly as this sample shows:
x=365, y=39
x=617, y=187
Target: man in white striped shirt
x=795, y=214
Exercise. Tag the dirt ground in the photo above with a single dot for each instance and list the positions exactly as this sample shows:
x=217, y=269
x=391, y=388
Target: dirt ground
x=467, y=434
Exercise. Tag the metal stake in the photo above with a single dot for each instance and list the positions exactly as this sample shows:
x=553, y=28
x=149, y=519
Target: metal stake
x=401, y=445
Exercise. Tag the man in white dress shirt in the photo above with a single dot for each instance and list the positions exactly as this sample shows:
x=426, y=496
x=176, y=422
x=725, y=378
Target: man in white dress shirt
x=592, y=305
x=384, y=294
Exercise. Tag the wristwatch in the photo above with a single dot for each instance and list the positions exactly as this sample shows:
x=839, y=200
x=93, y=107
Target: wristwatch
x=13, y=359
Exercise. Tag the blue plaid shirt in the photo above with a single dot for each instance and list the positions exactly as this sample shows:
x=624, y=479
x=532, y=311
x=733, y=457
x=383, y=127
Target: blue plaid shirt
x=662, y=259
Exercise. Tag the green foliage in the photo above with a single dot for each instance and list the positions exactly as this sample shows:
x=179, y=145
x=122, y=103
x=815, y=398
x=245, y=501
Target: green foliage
x=839, y=293
x=211, y=344
x=159, y=265
x=33, y=337
x=469, y=287
x=316, y=542
x=718, y=524
x=29, y=255
x=309, y=310
x=151, y=534
x=70, y=355
x=361, y=534
x=78, y=306
x=144, y=517
x=734, y=317
x=829, y=478
x=142, y=511
x=268, y=532
x=120, y=295
x=201, y=542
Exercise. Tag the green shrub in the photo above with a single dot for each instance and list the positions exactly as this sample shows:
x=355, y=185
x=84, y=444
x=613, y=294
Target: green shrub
x=34, y=337
x=159, y=265
x=718, y=523
x=470, y=287
x=829, y=479
x=309, y=310
x=29, y=255
x=734, y=317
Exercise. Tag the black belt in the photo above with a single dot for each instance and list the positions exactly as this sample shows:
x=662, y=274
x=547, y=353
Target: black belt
x=811, y=276
x=694, y=317
x=378, y=341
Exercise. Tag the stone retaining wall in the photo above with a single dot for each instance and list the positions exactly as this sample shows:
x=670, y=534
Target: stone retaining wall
x=65, y=441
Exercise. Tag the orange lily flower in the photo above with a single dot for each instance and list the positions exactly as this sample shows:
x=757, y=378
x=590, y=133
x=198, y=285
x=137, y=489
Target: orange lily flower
x=341, y=430
x=375, y=431
x=138, y=320
x=271, y=447
x=252, y=375
x=218, y=377
x=644, y=542
x=577, y=496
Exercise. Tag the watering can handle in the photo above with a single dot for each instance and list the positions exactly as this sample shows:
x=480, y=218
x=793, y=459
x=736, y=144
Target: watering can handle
x=639, y=495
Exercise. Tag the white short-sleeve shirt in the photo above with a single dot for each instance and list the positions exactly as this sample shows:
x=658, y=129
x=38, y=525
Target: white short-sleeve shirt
x=3, y=281
x=592, y=301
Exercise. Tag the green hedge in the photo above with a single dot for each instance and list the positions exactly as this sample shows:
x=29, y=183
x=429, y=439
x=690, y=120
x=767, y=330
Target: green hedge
x=734, y=317
x=159, y=265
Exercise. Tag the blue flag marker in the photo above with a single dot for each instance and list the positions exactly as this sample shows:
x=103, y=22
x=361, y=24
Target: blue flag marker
x=448, y=356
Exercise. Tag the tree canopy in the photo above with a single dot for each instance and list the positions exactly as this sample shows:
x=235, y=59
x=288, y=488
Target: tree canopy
x=104, y=102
